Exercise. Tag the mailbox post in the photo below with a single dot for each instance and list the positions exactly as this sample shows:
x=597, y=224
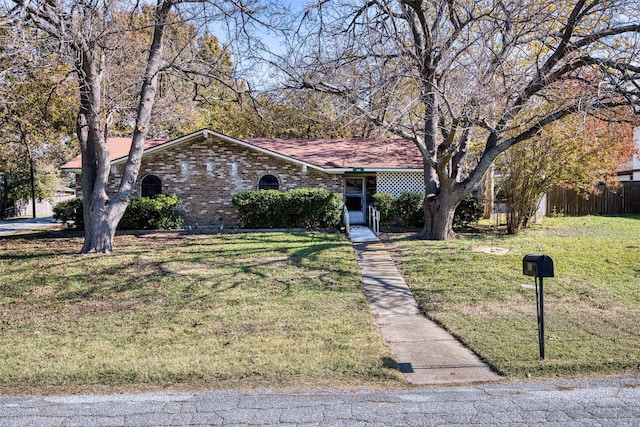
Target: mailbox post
x=538, y=266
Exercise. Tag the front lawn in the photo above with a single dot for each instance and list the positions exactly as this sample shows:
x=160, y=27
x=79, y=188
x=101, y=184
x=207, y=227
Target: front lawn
x=592, y=305
x=176, y=311
x=187, y=311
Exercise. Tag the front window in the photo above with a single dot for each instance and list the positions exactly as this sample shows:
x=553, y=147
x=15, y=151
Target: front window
x=268, y=182
x=151, y=185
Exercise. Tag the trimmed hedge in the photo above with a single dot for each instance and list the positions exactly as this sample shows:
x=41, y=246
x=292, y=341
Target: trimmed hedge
x=143, y=213
x=161, y=211
x=384, y=204
x=409, y=209
x=297, y=208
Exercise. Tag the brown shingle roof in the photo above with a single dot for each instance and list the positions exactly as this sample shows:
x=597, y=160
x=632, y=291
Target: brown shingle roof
x=369, y=153
x=340, y=153
x=118, y=149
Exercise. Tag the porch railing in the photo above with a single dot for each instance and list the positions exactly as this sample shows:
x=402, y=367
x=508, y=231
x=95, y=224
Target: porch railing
x=345, y=219
x=374, y=220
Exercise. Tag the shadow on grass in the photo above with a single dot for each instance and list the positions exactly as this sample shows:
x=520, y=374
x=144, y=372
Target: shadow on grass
x=140, y=270
x=479, y=232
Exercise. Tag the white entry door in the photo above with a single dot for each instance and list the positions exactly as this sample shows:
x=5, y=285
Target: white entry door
x=354, y=199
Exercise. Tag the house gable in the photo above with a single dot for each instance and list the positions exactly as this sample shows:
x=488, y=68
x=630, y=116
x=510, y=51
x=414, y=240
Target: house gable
x=206, y=172
x=206, y=134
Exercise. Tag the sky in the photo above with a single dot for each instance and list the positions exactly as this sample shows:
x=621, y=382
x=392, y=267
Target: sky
x=260, y=76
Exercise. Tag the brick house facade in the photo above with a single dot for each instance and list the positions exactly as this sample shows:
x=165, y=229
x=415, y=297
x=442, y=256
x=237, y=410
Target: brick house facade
x=206, y=168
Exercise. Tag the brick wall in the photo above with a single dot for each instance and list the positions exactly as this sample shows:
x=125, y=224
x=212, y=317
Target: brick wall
x=206, y=173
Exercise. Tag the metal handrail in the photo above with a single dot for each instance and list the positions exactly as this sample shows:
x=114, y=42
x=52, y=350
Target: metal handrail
x=374, y=220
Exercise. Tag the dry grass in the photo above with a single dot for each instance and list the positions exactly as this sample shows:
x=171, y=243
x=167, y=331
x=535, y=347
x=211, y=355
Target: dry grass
x=592, y=306
x=186, y=311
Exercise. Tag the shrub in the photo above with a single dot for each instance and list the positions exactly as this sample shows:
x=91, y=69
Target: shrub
x=468, y=211
x=151, y=213
x=312, y=208
x=143, y=213
x=384, y=203
x=70, y=212
x=257, y=208
x=409, y=208
x=299, y=208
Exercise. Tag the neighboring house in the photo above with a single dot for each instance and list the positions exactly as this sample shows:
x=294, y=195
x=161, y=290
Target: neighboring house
x=206, y=168
x=631, y=171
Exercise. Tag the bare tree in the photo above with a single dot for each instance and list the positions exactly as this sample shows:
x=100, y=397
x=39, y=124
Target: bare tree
x=90, y=36
x=467, y=80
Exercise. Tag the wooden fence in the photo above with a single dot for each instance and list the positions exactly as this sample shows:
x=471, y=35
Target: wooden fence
x=623, y=201
x=25, y=207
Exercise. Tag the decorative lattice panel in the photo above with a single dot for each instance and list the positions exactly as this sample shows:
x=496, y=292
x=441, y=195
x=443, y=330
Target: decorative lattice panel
x=399, y=182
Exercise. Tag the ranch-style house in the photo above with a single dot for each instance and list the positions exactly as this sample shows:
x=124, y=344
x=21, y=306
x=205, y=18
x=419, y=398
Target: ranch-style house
x=205, y=168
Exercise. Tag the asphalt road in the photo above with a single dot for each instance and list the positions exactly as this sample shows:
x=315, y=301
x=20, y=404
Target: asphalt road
x=25, y=225
x=612, y=402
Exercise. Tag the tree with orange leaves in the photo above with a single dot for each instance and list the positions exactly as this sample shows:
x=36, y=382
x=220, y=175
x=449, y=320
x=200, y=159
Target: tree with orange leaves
x=577, y=152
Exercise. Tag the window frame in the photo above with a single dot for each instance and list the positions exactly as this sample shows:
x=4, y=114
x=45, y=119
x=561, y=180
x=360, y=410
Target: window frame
x=150, y=186
x=274, y=183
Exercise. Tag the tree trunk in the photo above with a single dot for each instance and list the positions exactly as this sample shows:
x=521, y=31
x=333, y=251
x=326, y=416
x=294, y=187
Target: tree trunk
x=99, y=233
x=438, y=217
x=102, y=212
x=101, y=221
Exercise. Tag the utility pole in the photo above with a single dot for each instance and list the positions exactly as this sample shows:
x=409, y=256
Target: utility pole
x=33, y=186
x=33, y=181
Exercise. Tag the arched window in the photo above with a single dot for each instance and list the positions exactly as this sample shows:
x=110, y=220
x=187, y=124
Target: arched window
x=151, y=185
x=268, y=182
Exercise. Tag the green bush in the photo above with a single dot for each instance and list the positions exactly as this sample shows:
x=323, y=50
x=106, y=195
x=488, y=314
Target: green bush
x=298, y=208
x=383, y=202
x=152, y=213
x=257, y=208
x=143, y=213
x=468, y=211
x=70, y=212
x=409, y=208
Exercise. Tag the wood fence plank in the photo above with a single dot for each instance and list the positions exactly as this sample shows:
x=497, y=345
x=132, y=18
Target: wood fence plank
x=623, y=201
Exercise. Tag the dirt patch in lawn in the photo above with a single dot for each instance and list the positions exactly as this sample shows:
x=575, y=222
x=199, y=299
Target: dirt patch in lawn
x=492, y=250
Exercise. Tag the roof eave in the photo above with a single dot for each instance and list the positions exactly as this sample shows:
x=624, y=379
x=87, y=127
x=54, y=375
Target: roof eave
x=74, y=170
x=366, y=170
x=207, y=133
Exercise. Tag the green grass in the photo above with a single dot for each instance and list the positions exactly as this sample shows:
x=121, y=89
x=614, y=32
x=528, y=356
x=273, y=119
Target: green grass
x=169, y=310
x=253, y=310
x=592, y=305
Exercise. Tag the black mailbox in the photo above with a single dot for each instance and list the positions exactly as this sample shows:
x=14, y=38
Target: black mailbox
x=537, y=266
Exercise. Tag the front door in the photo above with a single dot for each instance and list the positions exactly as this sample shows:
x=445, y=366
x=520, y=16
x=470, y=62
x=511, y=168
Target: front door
x=355, y=200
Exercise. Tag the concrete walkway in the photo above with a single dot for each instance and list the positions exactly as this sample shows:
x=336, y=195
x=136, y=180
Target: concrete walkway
x=426, y=353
